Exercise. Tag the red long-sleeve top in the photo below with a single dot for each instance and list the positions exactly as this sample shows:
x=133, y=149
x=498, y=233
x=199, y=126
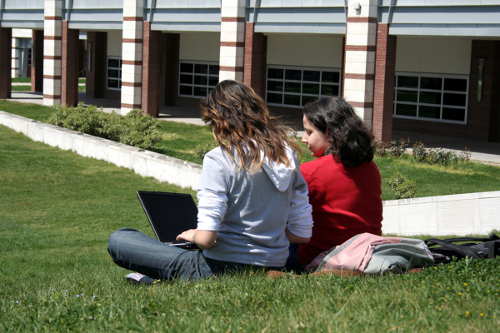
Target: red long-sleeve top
x=345, y=202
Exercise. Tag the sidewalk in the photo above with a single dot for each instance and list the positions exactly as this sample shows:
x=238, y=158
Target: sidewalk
x=487, y=152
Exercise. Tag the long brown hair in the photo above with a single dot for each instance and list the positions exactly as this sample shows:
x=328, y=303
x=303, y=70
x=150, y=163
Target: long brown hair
x=240, y=120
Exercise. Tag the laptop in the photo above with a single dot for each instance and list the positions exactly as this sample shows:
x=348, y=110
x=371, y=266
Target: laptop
x=169, y=215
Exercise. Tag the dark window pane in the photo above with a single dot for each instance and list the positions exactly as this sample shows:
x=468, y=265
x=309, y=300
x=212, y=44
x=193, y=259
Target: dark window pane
x=186, y=68
x=329, y=90
x=114, y=73
x=213, y=80
x=213, y=69
x=429, y=112
x=186, y=90
x=311, y=76
x=201, y=69
x=275, y=73
x=292, y=87
x=454, y=99
x=203, y=80
x=407, y=81
x=113, y=84
x=114, y=63
x=310, y=88
x=455, y=85
x=307, y=99
x=275, y=85
x=293, y=74
x=292, y=100
x=200, y=91
x=274, y=98
x=333, y=77
x=454, y=114
x=407, y=96
x=406, y=110
x=430, y=97
x=434, y=83
x=188, y=79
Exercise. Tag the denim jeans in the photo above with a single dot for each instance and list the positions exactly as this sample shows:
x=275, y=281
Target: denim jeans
x=293, y=263
x=131, y=249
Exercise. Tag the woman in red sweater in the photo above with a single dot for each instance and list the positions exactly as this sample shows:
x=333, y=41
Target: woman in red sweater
x=344, y=182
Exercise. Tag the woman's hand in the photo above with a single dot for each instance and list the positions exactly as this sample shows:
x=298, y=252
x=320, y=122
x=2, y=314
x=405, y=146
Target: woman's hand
x=187, y=235
x=203, y=238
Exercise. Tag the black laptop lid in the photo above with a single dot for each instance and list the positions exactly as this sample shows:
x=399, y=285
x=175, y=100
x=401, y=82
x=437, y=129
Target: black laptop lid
x=169, y=213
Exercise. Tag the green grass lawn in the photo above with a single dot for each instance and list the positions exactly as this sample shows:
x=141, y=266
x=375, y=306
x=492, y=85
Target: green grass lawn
x=58, y=210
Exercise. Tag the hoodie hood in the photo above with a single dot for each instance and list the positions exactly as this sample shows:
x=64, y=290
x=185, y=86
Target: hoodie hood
x=280, y=174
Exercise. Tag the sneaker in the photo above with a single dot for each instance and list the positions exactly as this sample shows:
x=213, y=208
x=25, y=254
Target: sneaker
x=139, y=278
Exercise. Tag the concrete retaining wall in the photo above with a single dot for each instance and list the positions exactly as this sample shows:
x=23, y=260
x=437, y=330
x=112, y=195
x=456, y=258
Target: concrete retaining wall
x=462, y=214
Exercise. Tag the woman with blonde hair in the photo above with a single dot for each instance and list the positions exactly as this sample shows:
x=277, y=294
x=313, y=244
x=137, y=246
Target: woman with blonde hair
x=252, y=198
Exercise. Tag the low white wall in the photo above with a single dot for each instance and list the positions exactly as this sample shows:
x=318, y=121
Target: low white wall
x=142, y=162
x=461, y=214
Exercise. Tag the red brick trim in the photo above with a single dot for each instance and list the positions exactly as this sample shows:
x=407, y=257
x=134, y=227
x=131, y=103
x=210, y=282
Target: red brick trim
x=132, y=40
x=132, y=106
x=15, y=68
x=52, y=18
x=52, y=77
x=132, y=84
x=132, y=62
x=233, y=44
x=361, y=20
x=359, y=76
x=232, y=19
x=52, y=96
x=366, y=48
x=52, y=57
x=364, y=105
x=52, y=37
x=230, y=69
x=133, y=18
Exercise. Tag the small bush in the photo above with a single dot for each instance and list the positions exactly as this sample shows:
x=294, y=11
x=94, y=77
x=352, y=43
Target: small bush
x=134, y=129
x=204, y=148
x=404, y=188
x=381, y=149
x=419, y=152
x=399, y=148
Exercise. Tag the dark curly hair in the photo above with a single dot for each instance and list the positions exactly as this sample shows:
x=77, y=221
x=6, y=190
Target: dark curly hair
x=351, y=141
x=240, y=120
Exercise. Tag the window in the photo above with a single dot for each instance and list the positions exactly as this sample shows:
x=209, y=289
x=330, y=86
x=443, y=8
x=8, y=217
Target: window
x=197, y=79
x=114, y=81
x=431, y=97
x=296, y=87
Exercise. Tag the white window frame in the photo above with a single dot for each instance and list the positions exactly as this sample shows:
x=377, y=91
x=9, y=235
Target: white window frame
x=193, y=85
x=320, y=69
x=118, y=79
x=442, y=91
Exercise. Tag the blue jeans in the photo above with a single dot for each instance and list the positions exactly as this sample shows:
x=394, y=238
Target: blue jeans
x=131, y=249
x=293, y=263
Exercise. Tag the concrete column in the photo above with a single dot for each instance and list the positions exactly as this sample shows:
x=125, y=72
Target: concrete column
x=360, y=46
x=232, y=40
x=52, y=52
x=16, y=57
x=132, y=55
x=255, y=59
x=5, y=62
x=151, y=71
x=385, y=71
x=70, y=61
x=37, y=61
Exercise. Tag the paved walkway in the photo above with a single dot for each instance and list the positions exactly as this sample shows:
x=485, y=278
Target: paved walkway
x=488, y=152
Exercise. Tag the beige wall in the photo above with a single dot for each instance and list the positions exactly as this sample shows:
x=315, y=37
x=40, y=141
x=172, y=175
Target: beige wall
x=114, y=43
x=433, y=55
x=305, y=50
x=199, y=46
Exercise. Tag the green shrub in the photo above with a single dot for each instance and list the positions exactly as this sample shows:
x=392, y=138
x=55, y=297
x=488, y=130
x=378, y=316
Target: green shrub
x=204, y=148
x=419, y=152
x=134, y=129
x=404, y=188
x=399, y=148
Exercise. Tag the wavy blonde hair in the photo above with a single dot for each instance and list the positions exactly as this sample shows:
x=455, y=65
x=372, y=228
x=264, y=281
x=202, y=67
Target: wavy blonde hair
x=240, y=120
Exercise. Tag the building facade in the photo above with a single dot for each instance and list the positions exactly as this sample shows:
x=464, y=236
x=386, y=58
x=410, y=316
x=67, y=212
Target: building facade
x=429, y=66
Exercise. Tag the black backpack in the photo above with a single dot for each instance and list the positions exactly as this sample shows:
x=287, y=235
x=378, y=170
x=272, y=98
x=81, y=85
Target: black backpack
x=443, y=250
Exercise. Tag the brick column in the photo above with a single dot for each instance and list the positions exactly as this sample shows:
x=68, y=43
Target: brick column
x=255, y=59
x=5, y=62
x=70, y=60
x=52, y=52
x=359, y=71
x=170, y=65
x=151, y=71
x=232, y=40
x=15, y=57
x=95, y=85
x=385, y=71
x=132, y=55
x=37, y=61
